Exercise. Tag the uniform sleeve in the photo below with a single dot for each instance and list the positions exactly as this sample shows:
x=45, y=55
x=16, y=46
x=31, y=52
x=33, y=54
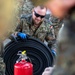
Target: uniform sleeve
x=19, y=27
x=50, y=38
x=50, y=34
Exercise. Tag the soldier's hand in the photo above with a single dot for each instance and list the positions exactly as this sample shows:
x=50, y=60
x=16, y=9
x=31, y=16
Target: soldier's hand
x=22, y=35
x=48, y=70
x=59, y=8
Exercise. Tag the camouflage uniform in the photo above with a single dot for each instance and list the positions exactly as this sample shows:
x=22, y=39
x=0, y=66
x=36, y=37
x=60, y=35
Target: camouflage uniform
x=66, y=47
x=2, y=64
x=55, y=24
x=43, y=32
x=65, y=64
x=27, y=7
x=2, y=67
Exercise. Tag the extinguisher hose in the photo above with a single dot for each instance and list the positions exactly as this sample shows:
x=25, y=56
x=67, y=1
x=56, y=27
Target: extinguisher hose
x=38, y=53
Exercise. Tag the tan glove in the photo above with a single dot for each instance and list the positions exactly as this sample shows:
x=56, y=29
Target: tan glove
x=48, y=70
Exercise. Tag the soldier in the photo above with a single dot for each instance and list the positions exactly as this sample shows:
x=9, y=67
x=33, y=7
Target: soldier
x=66, y=38
x=35, y=25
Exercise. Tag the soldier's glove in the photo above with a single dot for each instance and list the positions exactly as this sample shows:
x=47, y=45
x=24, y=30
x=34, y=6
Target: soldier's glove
x=54, y=53
x=22, y=35
x=48, y=70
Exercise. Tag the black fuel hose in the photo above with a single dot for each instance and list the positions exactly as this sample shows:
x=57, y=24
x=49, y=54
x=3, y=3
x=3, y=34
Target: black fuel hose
x=37, y=51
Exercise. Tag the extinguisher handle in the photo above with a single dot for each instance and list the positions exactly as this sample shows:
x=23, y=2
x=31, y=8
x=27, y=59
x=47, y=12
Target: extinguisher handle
x=23, y=56
x=19, y=53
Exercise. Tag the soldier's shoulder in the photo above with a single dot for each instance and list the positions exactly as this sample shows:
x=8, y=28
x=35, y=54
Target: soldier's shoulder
x=25, y=16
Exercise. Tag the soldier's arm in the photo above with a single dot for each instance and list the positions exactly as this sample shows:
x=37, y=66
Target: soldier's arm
x=50, y=34
x=50, y=38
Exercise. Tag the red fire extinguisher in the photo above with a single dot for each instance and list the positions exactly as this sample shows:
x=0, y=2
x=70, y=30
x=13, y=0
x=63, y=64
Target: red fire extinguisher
x=22, y=67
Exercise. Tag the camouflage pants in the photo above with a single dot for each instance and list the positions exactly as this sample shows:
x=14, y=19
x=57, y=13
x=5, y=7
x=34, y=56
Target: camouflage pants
x=2, y=67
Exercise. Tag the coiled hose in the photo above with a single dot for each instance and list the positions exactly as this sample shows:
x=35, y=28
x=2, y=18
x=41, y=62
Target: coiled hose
x=38, y=52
